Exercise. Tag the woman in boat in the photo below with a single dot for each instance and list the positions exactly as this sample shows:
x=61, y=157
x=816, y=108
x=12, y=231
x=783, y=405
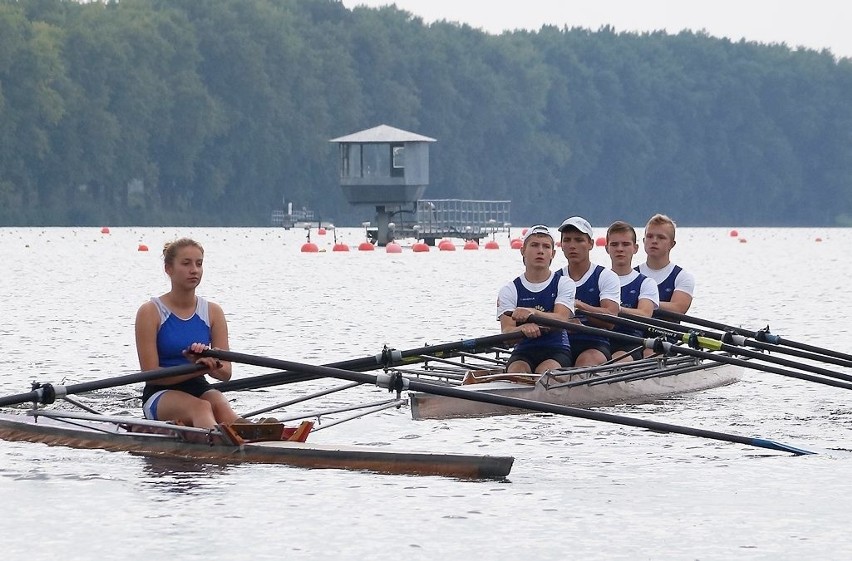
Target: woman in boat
x=170, y=330
x=538, y=291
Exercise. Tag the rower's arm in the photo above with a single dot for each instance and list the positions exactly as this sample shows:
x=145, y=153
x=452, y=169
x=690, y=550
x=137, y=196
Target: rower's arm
x=680, y=302
x=606, y=307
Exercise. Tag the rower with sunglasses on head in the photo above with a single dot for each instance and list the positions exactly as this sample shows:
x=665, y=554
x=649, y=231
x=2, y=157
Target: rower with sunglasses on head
x=538, y=291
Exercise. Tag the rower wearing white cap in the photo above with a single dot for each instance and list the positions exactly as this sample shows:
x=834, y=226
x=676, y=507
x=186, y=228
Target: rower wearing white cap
x=598, y=290
x=541, y=292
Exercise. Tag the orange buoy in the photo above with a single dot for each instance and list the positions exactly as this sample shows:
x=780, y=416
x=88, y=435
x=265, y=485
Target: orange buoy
x=516, y=243
x=366, y=246
x=600, y=242
x=340, y=247
x=309, y=247
x=320, y=231
x=733, y=233
x=105, y=230
x=446, y=245
x=420, y=247
x=491, y=244
x=471, y=244
x=142, y=247
x=393, y=247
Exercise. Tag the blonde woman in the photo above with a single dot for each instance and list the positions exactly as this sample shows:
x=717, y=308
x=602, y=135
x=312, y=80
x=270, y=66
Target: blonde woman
x=170, y=330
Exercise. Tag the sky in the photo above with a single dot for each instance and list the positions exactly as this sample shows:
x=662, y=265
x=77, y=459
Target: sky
x=814, y=24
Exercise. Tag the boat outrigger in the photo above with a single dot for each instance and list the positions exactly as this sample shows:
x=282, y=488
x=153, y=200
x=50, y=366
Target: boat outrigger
x=616, y=383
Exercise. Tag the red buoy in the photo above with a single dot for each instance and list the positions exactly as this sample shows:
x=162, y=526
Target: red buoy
x=142, y=247
x=491, y=244
x=733, y=233
x=105, y=230
x=366, y=246
x=600, y=242
x=471, y=244
x=340, y=247
x=309, y=247
x=320, y=231
x=517, y=243
x=446, y=245
x=419, y=247
x=393, y=247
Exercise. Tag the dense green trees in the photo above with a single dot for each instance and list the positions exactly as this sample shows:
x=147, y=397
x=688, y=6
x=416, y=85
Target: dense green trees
x=210, y=111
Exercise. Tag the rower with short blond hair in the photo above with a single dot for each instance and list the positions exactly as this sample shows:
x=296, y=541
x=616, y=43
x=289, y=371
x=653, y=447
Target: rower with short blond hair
x=676, y=286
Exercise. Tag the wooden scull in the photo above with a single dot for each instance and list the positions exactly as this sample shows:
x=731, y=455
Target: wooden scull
x=128, y=434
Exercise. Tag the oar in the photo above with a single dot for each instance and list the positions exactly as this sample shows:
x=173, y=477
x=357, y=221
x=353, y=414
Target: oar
x=47, y=393
x=387, y=358
x=717, y=341
x=665, y=347
x=762, y=335
x=400, y=383
x=664, y=327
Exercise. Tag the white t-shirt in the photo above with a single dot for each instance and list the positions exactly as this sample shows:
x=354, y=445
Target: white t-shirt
x=507, y=298
x=608, y=283
x=684, y=282
x=647, y=290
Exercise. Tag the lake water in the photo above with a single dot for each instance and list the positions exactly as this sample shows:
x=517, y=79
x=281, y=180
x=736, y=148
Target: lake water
x=578, y=489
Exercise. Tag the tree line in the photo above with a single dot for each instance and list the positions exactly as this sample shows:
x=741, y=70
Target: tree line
x=211, y=112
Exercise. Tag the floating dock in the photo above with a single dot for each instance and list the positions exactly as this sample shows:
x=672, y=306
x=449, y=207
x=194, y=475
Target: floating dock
x=434, y=219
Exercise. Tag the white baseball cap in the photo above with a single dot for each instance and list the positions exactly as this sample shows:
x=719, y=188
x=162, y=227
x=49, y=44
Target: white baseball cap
x=580, y=224
x=538, y=229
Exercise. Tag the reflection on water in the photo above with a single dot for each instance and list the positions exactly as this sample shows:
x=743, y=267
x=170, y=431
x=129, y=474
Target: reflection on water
x=180, y=475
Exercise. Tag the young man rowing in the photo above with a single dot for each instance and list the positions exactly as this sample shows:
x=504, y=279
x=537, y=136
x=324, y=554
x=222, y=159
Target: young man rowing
x=675, y=285
x=638, y=293
x=597, y=291
x=543, y=293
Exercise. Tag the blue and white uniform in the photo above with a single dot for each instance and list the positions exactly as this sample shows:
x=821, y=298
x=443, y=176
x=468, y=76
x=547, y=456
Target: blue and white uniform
x=634, y=287
x=174, y=336
x=597, y=284
x=669, y=279
x=543, y=296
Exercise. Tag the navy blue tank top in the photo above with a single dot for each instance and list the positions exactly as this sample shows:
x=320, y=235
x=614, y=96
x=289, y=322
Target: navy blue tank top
x=630, y=299
x=590, y=293
x=544, y=301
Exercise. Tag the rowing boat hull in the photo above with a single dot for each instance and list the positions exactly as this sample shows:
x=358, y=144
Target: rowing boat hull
x=301, y=454
x=600, y=393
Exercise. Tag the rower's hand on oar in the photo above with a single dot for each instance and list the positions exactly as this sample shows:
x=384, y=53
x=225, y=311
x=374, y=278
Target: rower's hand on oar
x=521, y=317
x=193, y=354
